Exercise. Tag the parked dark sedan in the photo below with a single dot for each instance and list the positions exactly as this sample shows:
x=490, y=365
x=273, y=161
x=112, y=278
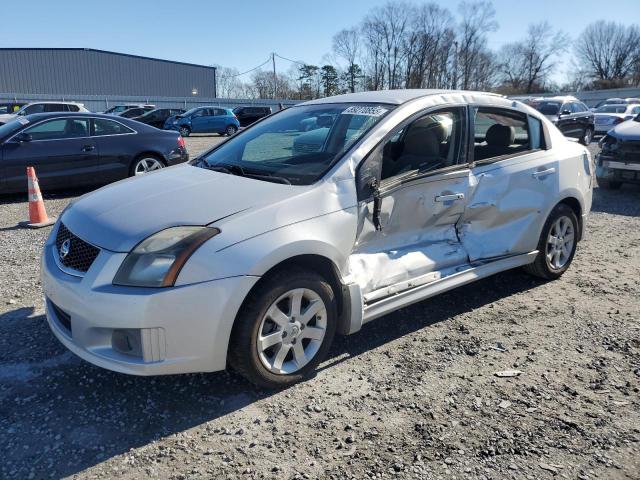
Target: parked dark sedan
x=572, y=117
x=157, y=117
x=74, y=149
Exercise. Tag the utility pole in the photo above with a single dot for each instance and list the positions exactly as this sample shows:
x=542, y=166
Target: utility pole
x=275, y=78
x=455, y=66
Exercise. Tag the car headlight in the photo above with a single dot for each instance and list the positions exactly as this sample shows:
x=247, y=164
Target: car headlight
x=157, y=260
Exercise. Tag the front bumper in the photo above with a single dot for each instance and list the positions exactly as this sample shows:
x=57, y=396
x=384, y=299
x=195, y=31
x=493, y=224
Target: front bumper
x=182, y=329
x=612, y=169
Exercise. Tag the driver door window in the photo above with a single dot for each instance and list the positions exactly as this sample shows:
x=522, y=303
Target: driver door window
x=427, y=144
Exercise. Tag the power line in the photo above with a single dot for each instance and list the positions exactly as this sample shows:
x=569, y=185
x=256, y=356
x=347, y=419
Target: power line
x=289, y=60
x=249, y=71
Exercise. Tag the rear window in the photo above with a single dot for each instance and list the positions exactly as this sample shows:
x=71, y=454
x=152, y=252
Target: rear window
x=547, y=108
x=612, y=109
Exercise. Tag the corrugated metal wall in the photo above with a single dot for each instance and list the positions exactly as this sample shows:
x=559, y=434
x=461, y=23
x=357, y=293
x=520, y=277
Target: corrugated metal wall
x=77, y=71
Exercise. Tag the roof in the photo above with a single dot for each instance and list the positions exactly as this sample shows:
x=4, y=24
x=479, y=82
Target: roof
x=395, y=97
x=558, y=98
x=106, y=52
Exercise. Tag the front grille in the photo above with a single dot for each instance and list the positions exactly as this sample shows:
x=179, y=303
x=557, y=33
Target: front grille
x=629, y=151
x=80, y=254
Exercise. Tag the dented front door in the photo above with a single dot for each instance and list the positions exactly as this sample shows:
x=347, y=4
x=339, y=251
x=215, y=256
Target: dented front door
x=418, y=237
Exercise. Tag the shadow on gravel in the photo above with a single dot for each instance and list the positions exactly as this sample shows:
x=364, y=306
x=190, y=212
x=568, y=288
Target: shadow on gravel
x=625, y=201
x=60, y=415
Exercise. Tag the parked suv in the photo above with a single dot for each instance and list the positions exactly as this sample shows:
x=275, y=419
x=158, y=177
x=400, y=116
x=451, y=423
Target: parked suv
x=158, y=117
x=247, y=115
x=43, y=107
x=572, y=117
x=256, y=255
x=118, y=109
x=204, y=120
x=134, y=112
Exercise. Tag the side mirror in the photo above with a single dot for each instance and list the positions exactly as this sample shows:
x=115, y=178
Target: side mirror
x=23, y=137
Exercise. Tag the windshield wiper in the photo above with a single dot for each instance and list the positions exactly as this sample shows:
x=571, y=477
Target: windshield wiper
x=241, y=172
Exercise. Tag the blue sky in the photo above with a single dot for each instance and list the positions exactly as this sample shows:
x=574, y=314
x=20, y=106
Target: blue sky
x=242, y=34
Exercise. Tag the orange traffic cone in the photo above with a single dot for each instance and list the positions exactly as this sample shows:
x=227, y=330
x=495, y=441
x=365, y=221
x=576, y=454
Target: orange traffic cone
x=37, y=213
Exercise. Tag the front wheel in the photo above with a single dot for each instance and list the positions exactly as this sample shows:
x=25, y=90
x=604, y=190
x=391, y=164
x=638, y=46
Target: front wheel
x=284, y=329
x=230, y=130
x=185, y=131
x=586, y=137
x=557, y=244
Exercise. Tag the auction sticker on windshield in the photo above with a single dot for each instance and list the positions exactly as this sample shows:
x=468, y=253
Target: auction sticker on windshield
x=371, y=111
x=22, y=120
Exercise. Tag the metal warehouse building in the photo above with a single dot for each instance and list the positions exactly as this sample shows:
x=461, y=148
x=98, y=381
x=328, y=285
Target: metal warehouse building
x=85, y=71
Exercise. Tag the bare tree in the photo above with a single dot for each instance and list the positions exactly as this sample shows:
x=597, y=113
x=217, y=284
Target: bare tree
x=346, y=44
x=229, y=84
x=262, y=82
x=478, y=18
x=428, y=46
x=610, y=51
x=386, y=28
x=527, y=64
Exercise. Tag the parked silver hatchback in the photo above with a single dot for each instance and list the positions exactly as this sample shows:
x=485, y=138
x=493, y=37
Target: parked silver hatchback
x=312, y=222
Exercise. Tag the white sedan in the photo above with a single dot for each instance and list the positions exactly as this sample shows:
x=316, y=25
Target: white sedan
x=256, y=253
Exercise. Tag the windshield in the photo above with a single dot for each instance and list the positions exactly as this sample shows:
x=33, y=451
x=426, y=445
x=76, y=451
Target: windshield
x=547, y=108
x=297, y=145
x=612, y=109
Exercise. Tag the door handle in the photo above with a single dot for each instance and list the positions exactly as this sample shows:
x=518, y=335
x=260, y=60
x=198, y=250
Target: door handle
x=450, y=197
x=88, y=148
x=543, y=173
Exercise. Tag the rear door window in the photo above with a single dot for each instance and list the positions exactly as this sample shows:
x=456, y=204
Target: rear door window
x=103, y=127
x=500, y=133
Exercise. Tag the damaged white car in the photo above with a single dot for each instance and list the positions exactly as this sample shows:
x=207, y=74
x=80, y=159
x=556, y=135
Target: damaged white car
x=257, y=253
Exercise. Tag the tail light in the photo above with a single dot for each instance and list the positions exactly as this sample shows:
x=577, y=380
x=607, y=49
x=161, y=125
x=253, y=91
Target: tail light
x=181, y=142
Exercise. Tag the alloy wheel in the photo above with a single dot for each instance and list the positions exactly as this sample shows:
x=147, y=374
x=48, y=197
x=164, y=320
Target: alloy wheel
x=560, y=243
x=292, y=331
x=231, y=130
x=146, y=165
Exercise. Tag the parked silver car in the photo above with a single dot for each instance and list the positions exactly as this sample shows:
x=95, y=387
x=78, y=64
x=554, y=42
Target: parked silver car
x=257, y=253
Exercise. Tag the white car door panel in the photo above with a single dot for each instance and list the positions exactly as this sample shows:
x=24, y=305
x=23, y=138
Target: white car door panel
x=506, y=206
x=418, y=232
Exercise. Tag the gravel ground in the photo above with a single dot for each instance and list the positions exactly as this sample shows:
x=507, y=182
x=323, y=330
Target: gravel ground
x=413, y=395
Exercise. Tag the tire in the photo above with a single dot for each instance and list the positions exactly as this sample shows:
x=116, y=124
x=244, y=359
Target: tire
x=260, y=365
x=230, y=130
x=609, y=184
x=185, y=131
x=545, y=267
x=146, y=163
x=587, y=136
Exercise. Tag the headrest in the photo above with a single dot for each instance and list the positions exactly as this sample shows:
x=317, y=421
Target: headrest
x=500, y=135
x=421, y=141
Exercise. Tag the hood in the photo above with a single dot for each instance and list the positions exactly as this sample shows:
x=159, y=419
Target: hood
x=121, y=215
x=629, y=130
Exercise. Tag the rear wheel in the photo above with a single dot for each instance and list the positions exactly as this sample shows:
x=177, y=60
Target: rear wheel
x=609, y=184
x=284, y=329
x=557, y=244
x=185, y=131
x=146, y=164
x=230, y=130
x=587, y=136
